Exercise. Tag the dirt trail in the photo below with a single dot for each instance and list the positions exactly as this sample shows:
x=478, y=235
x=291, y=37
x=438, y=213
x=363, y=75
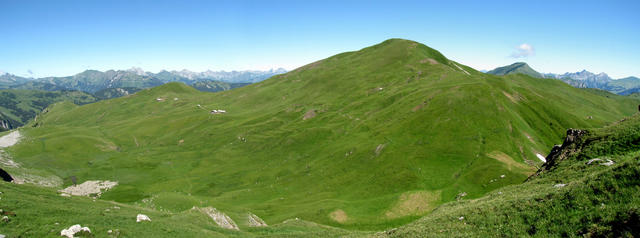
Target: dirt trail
x=461, y=69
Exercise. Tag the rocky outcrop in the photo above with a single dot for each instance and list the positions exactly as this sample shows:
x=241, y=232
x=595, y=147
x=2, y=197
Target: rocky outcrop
x=89, y=188
x=572, y=144
x=5, y=124
x=218, y=217
x=255, y=221
x=5, y=176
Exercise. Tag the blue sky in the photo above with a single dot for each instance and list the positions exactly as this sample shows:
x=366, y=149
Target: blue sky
x=59, y=38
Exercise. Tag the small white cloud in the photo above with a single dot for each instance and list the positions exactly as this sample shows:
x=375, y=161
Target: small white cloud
x=523, y=51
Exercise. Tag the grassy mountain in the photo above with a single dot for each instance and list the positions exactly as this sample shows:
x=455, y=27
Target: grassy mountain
x=625, y=86
x=216, y=86
x=17, y=107
x=369, y=139
x=588, y=188
x=34, y=85
x=516, y=68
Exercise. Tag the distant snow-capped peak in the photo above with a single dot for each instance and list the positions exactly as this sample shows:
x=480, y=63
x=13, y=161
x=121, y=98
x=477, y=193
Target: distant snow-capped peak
x=138, y=71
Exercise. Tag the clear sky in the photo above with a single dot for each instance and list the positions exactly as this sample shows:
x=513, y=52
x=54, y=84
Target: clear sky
x=59, y=38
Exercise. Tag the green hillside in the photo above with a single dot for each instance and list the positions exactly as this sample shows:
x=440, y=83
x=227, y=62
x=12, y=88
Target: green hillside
x=17, y=107
x=589, y=190
x=363, y=140
x=216, y=86
x=516, y=68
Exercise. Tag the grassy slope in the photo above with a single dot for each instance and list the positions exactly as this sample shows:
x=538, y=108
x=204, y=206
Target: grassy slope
x=597, y=201
x=20, y=106
x=40, y=212
x=397, y=125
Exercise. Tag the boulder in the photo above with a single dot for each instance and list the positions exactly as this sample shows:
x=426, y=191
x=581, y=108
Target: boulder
x=142, y=217
x=72, y=230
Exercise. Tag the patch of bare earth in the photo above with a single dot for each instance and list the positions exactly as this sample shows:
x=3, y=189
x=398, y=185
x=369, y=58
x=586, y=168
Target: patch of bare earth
x=339, y=216
x=430, y=60
x=529, y=137
x=310, y=114
x=510, y=162
x=417, y=108
x=514, y=98
x=107, y=146
x=379, y=149
x=414, y=203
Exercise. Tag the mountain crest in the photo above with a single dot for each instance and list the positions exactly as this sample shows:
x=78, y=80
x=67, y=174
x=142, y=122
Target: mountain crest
x=516, y=68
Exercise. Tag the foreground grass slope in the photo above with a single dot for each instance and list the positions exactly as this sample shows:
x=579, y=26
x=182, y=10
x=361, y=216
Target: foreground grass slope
x=40, y=212
x=580, y=193
x=367, y=140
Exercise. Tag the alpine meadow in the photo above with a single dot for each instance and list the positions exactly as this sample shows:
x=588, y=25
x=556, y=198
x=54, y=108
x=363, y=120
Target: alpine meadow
x=395, y=139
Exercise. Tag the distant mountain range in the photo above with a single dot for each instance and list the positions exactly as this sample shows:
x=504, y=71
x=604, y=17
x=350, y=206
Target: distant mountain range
x=582, y=79
x=92, y=81
x=22, y=98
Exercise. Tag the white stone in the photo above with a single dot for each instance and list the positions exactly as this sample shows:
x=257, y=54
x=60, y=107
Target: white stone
x=560, y=185
x=541, y=158
x=142, y=217
x=72, y=230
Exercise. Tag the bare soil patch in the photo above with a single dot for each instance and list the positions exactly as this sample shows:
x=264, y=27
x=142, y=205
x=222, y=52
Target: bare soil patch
x=339, y=216
x=310, y=114
x=509, y=162
x=414, y=203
